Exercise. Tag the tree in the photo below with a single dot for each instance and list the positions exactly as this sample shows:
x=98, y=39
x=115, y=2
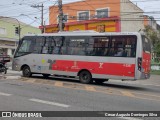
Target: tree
x=154, y=36
x=157, y=49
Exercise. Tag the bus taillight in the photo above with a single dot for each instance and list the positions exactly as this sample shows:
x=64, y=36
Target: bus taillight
x=139, y=64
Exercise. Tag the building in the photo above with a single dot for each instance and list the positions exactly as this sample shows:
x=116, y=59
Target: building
x=150, y=21
x=104, y=15
x=9, y=33
x=158, y=27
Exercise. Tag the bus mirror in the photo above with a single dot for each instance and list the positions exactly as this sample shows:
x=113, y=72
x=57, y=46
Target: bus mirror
x=20, y=41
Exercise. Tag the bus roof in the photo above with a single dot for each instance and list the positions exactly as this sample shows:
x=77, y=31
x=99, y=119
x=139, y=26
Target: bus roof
x=85, y=33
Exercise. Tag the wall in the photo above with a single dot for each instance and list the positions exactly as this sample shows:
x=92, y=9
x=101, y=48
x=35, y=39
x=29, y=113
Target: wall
x=111, y=24
x=10, y=28
x=131, y=17
x=146, y=21
x=71, y=9
x=9, y=39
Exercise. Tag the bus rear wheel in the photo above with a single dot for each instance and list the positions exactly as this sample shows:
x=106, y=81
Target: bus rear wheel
x=85, y=77
x=26, y=72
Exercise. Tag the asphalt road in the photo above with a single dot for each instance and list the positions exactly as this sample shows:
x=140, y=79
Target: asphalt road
x=57, y=94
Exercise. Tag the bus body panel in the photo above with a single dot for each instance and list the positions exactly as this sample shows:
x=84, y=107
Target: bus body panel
x=105, y=67
x=146, y=60
x=138, y=55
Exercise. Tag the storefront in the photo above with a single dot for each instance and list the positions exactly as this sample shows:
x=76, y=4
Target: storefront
x=7, y=46
x=110, y=24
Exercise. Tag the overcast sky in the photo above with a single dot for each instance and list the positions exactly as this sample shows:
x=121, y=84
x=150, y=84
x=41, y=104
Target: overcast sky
x=22, y=10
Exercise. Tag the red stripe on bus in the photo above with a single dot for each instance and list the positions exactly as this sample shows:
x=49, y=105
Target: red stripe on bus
x=146, y=62
x=117, y=69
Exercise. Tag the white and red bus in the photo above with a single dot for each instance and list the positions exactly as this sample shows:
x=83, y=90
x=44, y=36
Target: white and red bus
x=91, y=56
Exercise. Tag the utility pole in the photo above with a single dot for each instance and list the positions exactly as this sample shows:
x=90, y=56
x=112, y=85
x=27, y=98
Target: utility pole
x=40, y=6
x=60, y=22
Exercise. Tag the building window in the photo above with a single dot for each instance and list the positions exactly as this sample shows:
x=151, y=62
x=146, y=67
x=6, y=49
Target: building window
x=65, y=18
x=83, y=15
x=2, y=31
x=100, y=28
x=102, y=13
x=29, y=33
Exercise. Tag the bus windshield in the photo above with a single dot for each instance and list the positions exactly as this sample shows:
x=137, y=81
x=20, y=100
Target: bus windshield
x=24, y=48
x=39, y=45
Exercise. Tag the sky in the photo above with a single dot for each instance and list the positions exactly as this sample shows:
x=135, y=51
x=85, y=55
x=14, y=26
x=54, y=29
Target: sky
x=22, y=10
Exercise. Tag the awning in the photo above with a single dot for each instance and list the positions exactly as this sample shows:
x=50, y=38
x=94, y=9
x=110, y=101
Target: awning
x=6, y=46
x=8, y=39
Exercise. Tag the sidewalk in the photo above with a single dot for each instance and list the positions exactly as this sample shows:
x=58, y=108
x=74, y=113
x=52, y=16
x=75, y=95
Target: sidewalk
x=154, y=80
x=11, y=74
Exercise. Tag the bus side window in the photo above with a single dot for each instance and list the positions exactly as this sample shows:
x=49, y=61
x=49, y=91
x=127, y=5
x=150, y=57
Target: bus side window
x=105, y=52
x=44, y=50
x=111, y=52
x=123, y=46
x=63, y=49
x=49, y=45
x=38, y=44
x=119, y=52
x=124, y=53
x=76, y=45
x=32, y=46
x=56, y=50
x=98, y=46
x=59, y=42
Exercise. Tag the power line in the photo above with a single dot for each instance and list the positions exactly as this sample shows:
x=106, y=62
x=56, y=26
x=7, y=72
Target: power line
x=52, y=10
x=30, y=12
x=40, y=6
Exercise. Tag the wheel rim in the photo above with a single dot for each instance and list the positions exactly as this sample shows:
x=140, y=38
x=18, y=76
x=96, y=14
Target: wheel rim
x=26, y=72
x=85, y=76
x=3, y=70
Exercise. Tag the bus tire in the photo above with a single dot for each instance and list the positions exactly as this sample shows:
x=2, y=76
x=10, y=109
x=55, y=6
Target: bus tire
x=100, y=81
x=46, y=75
x=4, y=70
x=26, y=72
x=85, y=77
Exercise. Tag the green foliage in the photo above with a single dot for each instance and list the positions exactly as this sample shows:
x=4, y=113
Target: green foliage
x=157, y=49
x=154, y=36
x=155, y=72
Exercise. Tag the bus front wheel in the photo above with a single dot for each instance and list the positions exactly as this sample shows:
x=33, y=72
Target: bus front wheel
x=26, y=72
x=85, y=77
